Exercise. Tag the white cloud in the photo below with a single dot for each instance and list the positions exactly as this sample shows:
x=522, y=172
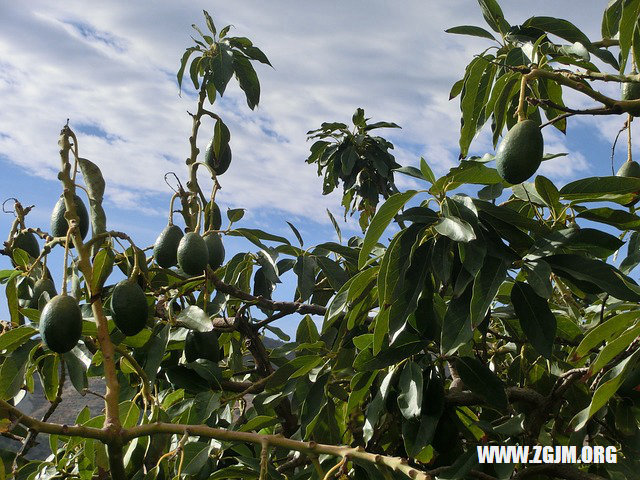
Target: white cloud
x=110, y=67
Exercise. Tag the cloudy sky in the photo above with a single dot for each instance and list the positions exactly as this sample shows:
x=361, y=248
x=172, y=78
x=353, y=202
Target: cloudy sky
x=110, y=68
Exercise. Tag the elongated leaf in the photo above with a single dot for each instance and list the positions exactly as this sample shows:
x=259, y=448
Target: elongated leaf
x=471, y=30
x=223, y=67
x=485, y=287
x=456, y=326
x=483, y=382
x=456, y=229
x=617, y=218
x=608, y=386
x=559, y=27
x=605, y=332
x=536, y=319
x=596, y=272
x=247, y=78
x=613, y=348
x=13, y=369
x=381, y=221
x=11, y=339
x=410, y=391
x=630, y=11
x=493, y=15
x=77, y=363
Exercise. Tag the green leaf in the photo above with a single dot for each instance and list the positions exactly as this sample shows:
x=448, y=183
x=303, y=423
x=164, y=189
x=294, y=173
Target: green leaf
x=427, y=173
x=613, y=348
x=456, y=326
x=608, y=386
x=11, y=292
x=49, y=370
x=605, y=332
x=102, y=268
x=296, y=233
x=456, y=89
x=485, y=287
x=223, y=67
x=333, y=271
x=456, y=229
x=595, y=189
x=183, y=64
x=630, y=12
x=611, y=19
x=471, y=30
x=559, y=27
x=602, y=275
x=194, y=318
x=209, y=20
x=493, y=15
x=381, y=221
x=247, y=78
x=410, y=390
x=11, y=339
x=77, y=363
x=307, y=332
x=617, y=218
x=473, y=99
x=539, y=277
x=548, y=192
x=335, y=225
x=483, y=382
x=536, y=319
x=13, y=369
x=305, y=269
x=235, y=215
x=194, y=71
x=155, y=350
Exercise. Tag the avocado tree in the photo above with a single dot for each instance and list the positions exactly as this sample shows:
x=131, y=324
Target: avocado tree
x=501, y=310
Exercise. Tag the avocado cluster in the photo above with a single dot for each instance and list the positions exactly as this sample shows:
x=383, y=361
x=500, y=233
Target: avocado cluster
x=520, y=153
x=191, y=252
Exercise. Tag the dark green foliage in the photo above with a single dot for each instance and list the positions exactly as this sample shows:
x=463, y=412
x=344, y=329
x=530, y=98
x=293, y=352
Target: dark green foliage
x=193, y=254
x=59, y=225
x=165, y=250
x=520, y=152
x=61, y=323
x=215, y=247
x=262, y=287
x=41, y=286
x=201, y=345
x=28, y=242
x=362, y=162
x=129, y=307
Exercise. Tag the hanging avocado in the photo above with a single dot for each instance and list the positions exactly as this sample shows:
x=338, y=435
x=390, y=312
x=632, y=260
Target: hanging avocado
x=219, y=165
x=215, y=217
x=28, y=242
x=59, y=224
x=193, y=254
x=129, y=307
x=202, y=345
x=61, y=323
x=520, y=153
x=630, y=169
x=165, y=250
x=631, y=91
x=41, y=286
x=215, y=248
x=261, y=286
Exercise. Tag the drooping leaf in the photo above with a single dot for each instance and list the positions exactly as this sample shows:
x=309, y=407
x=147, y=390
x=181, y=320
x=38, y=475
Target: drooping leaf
x=410, y=390
x=478, y=378
x=536, y=319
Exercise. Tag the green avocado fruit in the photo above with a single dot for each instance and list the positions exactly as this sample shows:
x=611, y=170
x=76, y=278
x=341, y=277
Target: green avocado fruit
x=215, y=217
x=193, y=254
x=61, y=323
x=261, y=286
x=218, y=165
x=129, y=307
x=59, y=224
x=216, y=249
x=631, y=91
x=28, y=242
x=630, y=169
x=202, y=345
x=41, y=286
x=520, y=152
x=165, y=250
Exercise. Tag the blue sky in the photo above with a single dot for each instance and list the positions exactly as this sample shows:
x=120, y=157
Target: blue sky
x=110, y=68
